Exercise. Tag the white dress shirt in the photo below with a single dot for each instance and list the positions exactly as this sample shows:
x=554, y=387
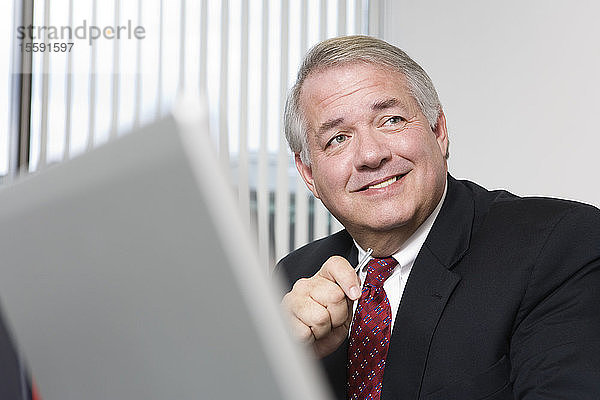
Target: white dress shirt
x=406, y=255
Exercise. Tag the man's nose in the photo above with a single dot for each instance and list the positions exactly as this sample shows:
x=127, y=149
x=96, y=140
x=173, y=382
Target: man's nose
x=372, y=150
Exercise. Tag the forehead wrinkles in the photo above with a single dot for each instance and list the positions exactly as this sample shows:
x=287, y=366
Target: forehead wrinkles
x=329, y=85
x=326, y=99
x=363, y=85
x=319, y=95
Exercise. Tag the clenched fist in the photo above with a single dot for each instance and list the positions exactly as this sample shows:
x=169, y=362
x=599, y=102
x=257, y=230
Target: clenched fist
x=321, y=306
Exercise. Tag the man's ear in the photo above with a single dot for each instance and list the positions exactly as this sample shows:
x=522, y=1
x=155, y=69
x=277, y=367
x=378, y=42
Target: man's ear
x=306, y=174
x=441, y=134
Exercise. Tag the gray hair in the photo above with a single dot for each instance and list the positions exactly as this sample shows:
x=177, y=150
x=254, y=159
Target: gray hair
x=352, y=49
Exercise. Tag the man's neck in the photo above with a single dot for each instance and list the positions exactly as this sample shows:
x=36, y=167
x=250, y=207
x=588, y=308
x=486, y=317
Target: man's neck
x=385, y=243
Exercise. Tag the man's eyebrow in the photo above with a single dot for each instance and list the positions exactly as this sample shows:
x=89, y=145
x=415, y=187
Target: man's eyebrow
x=329, y=124
x=384, y=104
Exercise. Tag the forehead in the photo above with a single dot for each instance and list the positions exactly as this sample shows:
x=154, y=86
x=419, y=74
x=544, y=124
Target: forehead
x=352, y=83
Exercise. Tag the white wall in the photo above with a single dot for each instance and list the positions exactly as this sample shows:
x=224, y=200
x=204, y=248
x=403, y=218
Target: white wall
x=520, y=84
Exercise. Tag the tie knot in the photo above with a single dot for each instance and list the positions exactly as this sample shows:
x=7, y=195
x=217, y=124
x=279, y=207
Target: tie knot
x=378, y=270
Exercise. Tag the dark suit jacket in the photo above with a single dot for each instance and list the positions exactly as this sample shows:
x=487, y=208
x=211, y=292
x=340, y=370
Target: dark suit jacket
x=14, y=382
x=503, y=302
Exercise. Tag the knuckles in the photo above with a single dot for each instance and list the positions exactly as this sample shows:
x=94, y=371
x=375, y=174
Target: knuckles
x=302, y=285
x=304, y=334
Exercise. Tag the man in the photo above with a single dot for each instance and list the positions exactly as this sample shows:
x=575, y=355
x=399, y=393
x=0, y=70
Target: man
x=470, y=294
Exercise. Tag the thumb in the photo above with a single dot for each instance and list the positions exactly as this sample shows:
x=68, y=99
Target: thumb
x=338, y=270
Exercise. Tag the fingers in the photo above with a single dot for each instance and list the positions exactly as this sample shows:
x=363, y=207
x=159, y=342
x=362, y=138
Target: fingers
x=317, y=303
x=330, y=297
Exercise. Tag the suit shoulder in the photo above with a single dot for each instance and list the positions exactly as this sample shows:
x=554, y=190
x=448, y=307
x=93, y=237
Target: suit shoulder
x=514, y=208
x=543, y=209
x=542, y=225
x=517, y=223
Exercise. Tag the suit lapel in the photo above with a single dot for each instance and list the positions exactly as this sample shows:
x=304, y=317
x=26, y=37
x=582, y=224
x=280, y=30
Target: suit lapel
x=425, y=296
x=427, y=291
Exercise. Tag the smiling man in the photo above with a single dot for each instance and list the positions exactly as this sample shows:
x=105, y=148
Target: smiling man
x=468, y=293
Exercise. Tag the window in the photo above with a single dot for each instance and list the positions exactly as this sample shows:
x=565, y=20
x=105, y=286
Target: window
x=242, y=55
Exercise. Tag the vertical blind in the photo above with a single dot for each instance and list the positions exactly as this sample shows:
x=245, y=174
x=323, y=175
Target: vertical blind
x=242, y=55
x=6, y=86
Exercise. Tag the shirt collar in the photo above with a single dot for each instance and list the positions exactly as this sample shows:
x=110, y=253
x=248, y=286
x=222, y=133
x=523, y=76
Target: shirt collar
x=409, y=250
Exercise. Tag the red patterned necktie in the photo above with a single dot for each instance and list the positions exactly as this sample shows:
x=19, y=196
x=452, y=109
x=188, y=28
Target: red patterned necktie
x=370, y=334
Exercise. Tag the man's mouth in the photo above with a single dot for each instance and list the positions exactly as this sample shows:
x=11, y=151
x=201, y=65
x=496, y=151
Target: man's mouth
x=383, y=184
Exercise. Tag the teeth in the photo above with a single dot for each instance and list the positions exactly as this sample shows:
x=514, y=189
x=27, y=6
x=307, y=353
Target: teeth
x=384, y=183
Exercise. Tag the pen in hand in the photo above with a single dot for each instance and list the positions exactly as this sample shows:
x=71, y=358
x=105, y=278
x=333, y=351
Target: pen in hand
x=363, y=261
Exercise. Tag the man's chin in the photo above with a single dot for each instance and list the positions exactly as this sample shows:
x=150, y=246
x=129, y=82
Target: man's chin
x=378, y=225
x=377, y=220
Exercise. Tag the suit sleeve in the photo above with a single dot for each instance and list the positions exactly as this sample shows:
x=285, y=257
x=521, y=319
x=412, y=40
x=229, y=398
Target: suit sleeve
x=555, y=345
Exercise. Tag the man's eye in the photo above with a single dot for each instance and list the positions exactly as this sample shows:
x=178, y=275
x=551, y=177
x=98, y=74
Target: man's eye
x=338, y=139
x=394, y=120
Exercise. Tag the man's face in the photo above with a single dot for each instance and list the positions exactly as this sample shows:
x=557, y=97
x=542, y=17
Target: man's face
x=375, y=162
